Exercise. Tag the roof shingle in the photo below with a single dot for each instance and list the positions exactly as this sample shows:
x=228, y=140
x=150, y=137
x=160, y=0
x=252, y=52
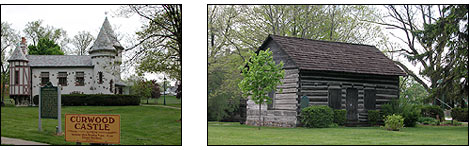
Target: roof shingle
x=59, y=60
x=335, y=56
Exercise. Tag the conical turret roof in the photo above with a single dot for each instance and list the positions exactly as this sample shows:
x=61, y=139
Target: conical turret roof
x=18, y=54
x=106, y=39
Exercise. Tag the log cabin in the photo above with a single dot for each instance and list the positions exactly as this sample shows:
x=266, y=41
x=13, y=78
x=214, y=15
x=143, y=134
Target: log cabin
x=353, y=77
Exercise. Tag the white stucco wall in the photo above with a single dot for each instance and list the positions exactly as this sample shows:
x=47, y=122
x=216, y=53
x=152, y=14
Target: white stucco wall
x=71, y=87
x=107, y=67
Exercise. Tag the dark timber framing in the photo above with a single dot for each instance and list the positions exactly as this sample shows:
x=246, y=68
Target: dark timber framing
x=363, y=80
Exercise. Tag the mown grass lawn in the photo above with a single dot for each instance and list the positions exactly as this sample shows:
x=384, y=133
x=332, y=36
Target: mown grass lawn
x=229, y=133
x=170, y=101
x=140, y=125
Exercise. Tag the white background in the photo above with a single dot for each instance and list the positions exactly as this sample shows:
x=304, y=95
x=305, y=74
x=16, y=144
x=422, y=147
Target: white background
x=194, y=124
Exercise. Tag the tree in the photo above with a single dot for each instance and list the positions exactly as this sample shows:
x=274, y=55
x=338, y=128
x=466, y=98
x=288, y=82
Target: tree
x=261, y=76
x=224, y=94
x=159, y=47
x=9, y=38
x=45, y=47
x=142, y=88
x=35, y=31
x=82, y=41
x=155, y=89
x=437, y=43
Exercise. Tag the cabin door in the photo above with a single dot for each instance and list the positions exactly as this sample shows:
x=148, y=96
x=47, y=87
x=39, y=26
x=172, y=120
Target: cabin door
x=352, y=104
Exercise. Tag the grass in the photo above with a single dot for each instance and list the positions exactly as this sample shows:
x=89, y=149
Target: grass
x=140, y=125
x=170, y=101
x=223, y=133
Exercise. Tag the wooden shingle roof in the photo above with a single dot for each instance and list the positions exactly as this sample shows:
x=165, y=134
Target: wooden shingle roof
x=335, y=56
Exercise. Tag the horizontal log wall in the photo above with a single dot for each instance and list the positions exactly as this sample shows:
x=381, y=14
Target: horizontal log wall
x=315, y=85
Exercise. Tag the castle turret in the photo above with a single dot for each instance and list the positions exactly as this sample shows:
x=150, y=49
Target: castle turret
x=106, y=57
x=20, y=75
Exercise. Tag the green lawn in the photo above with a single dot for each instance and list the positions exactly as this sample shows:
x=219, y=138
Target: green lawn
x=223, y=133
x=170, y=101
x=140, y=125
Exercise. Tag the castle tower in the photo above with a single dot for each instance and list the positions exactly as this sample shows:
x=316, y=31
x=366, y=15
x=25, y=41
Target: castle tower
x=20, y=75
x=106, y=58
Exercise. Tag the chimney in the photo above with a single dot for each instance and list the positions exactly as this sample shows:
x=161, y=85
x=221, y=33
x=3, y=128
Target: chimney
x=23, y=40
x=23, y=45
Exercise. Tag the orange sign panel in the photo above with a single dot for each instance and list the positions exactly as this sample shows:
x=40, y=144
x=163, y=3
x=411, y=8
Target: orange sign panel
x=88, y=128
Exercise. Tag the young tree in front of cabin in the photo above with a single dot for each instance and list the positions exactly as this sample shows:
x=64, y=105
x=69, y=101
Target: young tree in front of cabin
x=260, y=77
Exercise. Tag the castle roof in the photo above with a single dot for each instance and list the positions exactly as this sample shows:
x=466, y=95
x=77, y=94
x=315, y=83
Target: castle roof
x=106, y=39
x=59, y=60
x=18, y=54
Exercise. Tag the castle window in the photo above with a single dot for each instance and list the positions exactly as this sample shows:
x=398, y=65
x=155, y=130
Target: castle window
x=44, y=78
x=100, y=76
x=110, y=86
x=80, y=79
x=17, y=77
x=62, y=76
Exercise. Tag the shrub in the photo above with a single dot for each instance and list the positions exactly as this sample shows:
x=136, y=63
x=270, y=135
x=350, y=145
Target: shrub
x=394, y=122
x=432, y=111
x=411, y=114
x=452, y=122
x=459, y=114
x=374, y=117
x=99, y=100
x=340, y=116
x=317, y=116
x=427, y=120
x=36, y=99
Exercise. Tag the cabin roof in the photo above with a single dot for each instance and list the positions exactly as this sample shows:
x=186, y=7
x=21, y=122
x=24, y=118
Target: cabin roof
x=335, y=56
x=59, y=60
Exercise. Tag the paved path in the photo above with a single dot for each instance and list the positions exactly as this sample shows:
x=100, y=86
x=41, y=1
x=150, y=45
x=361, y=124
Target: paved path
x=5, y=140
x=163, y=106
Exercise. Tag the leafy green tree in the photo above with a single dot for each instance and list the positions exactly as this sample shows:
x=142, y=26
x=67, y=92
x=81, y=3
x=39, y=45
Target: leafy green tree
x=260, y=77
x=9, y=39
x=159, y=46
x=224, y=94
x=45, y=47
x=436, y=38
x=412, y=91
x=35, y=31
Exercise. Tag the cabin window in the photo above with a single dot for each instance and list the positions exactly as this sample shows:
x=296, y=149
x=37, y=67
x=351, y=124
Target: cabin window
x=334, y=98
x=110, y=86
x=44, y=78
x=17, y=77
x=62, y=76
x=80, y=78
x=272, y=96
x=370, y=99
x=100, y=77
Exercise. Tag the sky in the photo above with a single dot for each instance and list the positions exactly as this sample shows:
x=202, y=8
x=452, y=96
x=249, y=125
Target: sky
x=75, y=18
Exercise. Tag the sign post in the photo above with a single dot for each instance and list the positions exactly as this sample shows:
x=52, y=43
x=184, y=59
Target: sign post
x=50, y=105
x=92, y=128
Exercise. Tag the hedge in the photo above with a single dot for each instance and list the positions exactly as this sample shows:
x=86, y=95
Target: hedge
x=96, y=100
x=340, y=116
x=459, y=114
x=317, y=116
x=433, y=111
x=374, y=117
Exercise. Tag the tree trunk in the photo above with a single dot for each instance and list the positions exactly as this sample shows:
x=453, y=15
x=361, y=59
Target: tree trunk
x=260, y=114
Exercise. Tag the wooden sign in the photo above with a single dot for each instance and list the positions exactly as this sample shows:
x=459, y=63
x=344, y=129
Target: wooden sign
x=89, y=128
x=49, y=101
